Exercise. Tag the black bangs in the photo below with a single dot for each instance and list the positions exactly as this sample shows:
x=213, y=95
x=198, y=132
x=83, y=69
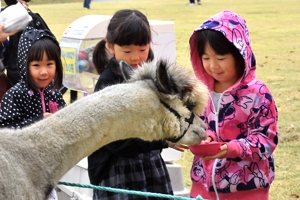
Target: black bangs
x=45, y=45
x=220, y=45
x=215, y=40
x=132, y=31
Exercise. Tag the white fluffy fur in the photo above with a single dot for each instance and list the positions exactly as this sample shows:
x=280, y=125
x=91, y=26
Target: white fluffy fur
x=33, y=160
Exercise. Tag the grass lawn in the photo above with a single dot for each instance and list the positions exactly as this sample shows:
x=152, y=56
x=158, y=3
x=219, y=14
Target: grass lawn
x=275, y=32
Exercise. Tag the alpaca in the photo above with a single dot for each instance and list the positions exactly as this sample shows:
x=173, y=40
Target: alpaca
x=159, y=100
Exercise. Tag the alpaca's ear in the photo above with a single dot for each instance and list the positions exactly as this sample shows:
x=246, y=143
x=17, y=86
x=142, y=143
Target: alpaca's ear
x=163, y=80
x=126, y=70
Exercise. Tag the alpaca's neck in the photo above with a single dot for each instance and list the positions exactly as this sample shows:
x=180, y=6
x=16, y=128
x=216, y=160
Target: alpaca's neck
x=81, y=128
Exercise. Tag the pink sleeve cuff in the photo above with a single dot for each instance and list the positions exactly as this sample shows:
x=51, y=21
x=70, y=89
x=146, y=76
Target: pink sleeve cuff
x=212, y=135
x=233, y=150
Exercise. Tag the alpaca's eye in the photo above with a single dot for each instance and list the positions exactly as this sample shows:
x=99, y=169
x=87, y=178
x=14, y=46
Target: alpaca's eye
x=190, y=105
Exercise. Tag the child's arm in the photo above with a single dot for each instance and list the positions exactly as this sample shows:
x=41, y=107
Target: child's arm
x=46, y=114
x=262, y=138
x=133, y=146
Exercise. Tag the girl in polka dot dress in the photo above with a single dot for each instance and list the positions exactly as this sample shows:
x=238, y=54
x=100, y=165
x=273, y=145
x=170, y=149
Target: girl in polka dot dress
x=36, y=96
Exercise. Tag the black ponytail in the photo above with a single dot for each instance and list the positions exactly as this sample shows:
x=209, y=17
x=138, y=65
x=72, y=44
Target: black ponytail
x=101, y=56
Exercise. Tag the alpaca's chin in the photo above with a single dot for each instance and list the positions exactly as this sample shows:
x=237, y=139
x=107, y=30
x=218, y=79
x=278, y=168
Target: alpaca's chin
x=193, y=133
x=191, y=138
x=195, y=139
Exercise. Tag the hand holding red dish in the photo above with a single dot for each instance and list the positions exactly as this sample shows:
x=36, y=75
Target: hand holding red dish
x=206, y=149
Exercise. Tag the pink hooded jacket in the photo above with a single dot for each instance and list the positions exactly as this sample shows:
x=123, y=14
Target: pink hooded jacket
x=246, y=120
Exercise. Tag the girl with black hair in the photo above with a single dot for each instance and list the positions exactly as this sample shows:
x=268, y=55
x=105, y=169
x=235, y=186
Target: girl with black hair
x=36, y=95
x=132, y=164
x=241, y=113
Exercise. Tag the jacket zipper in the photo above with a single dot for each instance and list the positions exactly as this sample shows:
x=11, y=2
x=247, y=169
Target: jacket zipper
x=218, y=139
x=41, y=91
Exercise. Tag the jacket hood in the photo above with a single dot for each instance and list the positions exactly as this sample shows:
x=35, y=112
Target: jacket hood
x=29, y=36
x=235, y=30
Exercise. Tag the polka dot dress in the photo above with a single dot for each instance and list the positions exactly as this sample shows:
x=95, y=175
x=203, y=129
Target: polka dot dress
x=22, y=106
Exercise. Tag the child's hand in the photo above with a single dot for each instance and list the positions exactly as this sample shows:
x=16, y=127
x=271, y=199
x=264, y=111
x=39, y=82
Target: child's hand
x=177, y=146
x=221, y=154
x=208, y=140
x=47, y=114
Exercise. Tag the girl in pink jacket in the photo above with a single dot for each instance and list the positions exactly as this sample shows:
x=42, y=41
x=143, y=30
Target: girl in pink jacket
x=241, y=113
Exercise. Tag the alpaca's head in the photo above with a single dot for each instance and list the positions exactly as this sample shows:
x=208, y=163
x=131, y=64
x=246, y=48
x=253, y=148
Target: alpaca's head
x=180, y=92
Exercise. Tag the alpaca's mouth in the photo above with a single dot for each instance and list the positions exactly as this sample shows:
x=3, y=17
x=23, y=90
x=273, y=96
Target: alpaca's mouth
x=201, y=136
x=188, y=120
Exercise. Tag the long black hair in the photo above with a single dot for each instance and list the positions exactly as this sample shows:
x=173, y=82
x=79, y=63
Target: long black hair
x=126, y=27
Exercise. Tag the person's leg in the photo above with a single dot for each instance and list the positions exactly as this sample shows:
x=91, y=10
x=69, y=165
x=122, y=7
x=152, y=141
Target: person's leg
x=199, y=2
x=192, y=3
x=88, y=4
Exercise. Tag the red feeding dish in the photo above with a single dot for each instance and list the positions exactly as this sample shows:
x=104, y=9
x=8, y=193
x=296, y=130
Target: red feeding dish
x=206, y=149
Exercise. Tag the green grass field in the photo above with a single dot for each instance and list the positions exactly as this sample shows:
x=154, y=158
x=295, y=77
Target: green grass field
x=274, y=28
